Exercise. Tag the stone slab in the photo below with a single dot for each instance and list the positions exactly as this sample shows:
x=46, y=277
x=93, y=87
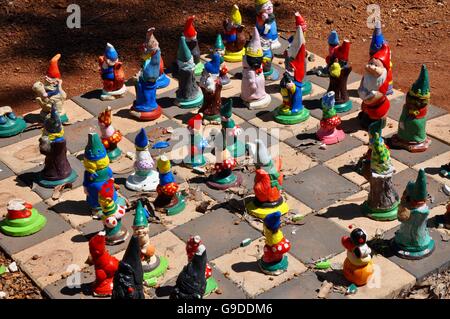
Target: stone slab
x=91, y=102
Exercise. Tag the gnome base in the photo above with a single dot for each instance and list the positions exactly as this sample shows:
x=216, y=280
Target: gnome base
x=359, y=275
x=306, y=88
x=234, y=57
x=412, y=147
x=211, y=286
x=151, y=277
x=196, y=161
x=117, y=238
x=51, y=184
x=190, y=104
x=170, y=206
x=232, y=180
x=115, y=154
x=236, y=149
x=291, y=118
x=330, y=137
x=64, y=118
x=258, y=104
x=261, y=212
x=23, y=226
x=412, y=253
x=211, y=119
x=18, y=128
x=112, y=95
x=139, y=183
x=343, y=107
x=163, y=81
x=226, y=85
x=275, y=268
x=272, y=75
x=387, y=214
x=199, y=69
x=146, y=116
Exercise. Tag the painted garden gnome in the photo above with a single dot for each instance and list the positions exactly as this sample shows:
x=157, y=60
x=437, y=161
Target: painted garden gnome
x=169, y=200
x=274, y=262
x=110, y=136
x=128, y=279
x=191, y=40
x=301, y=22
x=412, y=134
x=339, y=70
x=266, y=24
x=188, y=95
x=145, y=107
x=153, y=266
x=375, y=82
x=219, y=48
x=112, y=74
x=113, y=210
x=224, y=177
x=412, y=240
x=383, y=199
x=52, y=144
x=268, y=183
x=144, y=178
x=234, y=37
x=195, y=280
x=10, y=124
x=230, y=131
x=51, y=92
x=211, y=86
x=149, y=48
x=196, y=157
x=330, y=131
x=358, y=266
x=253, y=91
x=21, y=219
x=105, y=266
x=270, y=72
x=292, y=110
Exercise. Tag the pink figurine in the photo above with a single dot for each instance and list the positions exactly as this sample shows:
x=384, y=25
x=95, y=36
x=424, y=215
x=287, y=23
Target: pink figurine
x=329, y=132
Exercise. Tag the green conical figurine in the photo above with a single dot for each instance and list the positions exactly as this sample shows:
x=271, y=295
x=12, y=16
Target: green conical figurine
x=231, y=131
x=412, y=134
x=22, y=219
x=412, y=240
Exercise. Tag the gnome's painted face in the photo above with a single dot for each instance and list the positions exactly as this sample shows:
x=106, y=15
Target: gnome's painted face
x=111, y=62
x=208, y=82
x=375, y=67
x=51, y=83
x=374, y=76
x=266, y=12
x=253, y=62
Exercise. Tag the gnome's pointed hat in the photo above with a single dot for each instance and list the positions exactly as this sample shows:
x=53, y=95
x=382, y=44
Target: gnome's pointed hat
x=421, y=88
x=260, y=2
x=152, y=68
x=52, y=123
x=236, y=17
x=262, y=154
x=300, y=21
x=132, y=257
x=273, y=221
x=139, y=219
x=150, y=39
x=254, y=48
x=377, y=39
x=111, y=53
x=189, y=29
x=195, y=122
x=163, y=164
x=328, y=100
x=95, y=150
x=141, y=139
x=343, y=51
x=218, y=45
x=227, y=108
x=213, y=66
x=333, y=38
x=183, y=54
x=53, y=69
x=297, y=52
x=417, y=190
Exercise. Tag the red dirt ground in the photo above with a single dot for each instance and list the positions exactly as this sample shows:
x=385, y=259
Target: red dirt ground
x=32, y=31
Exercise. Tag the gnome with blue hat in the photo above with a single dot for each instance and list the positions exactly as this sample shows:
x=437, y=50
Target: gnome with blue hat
x=219, y=48
x=144, y=178
x=150, y=47
x=211, y=86
x=112, y=73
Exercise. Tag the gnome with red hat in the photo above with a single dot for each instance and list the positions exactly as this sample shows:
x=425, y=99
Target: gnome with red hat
x=191, y=40
x=51, y=92
x=112, y=73
x=198, y=144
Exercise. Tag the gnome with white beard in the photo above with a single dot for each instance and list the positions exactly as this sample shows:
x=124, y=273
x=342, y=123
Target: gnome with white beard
x=211, y=86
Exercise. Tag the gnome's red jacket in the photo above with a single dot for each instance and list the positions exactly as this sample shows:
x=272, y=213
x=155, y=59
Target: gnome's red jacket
x=119, y=76
x=105, y=266
x=264, y=191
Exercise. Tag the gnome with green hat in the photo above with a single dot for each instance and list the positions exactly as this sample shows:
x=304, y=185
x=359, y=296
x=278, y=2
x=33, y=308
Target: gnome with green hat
x=188, y=94
x=219, y=48
x=412, y=240
x=153, y=265
x=411, y=133
x=231, y=131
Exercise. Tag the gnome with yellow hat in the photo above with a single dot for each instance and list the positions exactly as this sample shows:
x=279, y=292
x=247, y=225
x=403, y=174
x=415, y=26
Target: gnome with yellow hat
x=266, y=24
x=234, y=37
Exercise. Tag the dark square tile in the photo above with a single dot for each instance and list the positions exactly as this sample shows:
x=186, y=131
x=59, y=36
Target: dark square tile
x=251, y=132
x=91, y=102
x=28, y=133
x=314, y=105
x=220, y=239
x=244, y=112
x=5, y=172
x=397, y=106
x=55, y=226
x=319, y=187
x=170, y=109
x=77, y=134
x=76, y=286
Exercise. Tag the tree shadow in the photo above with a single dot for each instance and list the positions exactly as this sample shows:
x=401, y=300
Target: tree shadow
x=351, y=125
x=77, y=207
x=335, y=276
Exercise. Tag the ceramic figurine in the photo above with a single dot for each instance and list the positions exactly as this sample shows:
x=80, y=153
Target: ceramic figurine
x=112, y=73
x=383, y=199
x=149, y=49
x=127, y=283
x=196, y=157
x=339, y=70
x=191, y=40
x=375, y=82
x=110, y=136
x=330, y=131
x=188, y=95
x=51, y=92
x=270, y=72
x=224, y=177
x=376, y=44
x=266, y=23
x=219, y=48
x=253, y=91
x=105, y=266
x=211, y=86
x=412, y=134
x=21, y=219
x=274, y=262
x=195, y=280
x=144, y=178
x=10, y=124
x=145, y=107
x=169, y=200
x=412, y=240
x=153, y=266
x=231, y=131
x=358, y=266
x=234, y=37
x=52, y=144
x=97, y=170
x=292, y=110
x=113, y=210
x=268, y=183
